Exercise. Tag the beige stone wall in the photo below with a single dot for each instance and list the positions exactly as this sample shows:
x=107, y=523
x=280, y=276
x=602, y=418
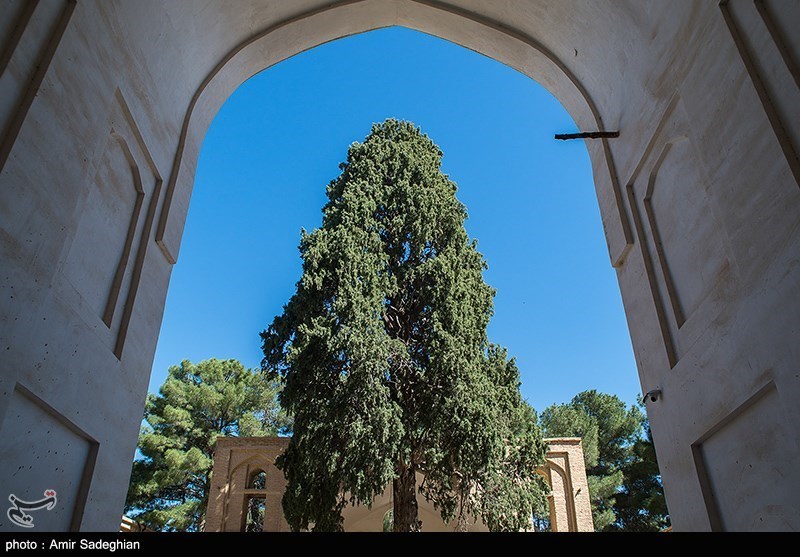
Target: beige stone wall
x=103, y=108
x=570, y=503
x=237, y=458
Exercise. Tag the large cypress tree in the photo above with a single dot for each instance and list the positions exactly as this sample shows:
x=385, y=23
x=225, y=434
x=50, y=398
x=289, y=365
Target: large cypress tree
x=384, y=357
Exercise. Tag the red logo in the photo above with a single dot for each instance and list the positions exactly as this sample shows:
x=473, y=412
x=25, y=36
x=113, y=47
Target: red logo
x=50, y=493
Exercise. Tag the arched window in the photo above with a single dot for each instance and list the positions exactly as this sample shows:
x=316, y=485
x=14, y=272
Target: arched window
x=254, y=502
x=257, y=480
x=388, y=521
x=255, y=508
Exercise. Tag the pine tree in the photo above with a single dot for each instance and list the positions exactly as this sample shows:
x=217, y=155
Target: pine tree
x=622, y=472
x=196, y=404
x=640, y=505
x=384, y=356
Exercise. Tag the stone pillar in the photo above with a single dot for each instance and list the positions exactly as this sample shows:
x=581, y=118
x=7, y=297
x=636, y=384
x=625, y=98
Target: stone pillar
x=571, y=508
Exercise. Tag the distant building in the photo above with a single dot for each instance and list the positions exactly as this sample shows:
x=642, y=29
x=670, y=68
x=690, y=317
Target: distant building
x=247, y=487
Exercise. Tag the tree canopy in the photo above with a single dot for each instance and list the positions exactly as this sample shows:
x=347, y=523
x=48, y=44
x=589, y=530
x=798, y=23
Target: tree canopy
x=196, y=404
x=640, y=505
x=384, y=359
x=622, y=471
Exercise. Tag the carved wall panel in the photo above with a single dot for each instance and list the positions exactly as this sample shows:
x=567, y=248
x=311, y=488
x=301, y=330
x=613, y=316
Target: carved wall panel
x=736, y=483
x=105, y=260
x=766, y=40
x=685, y=253
x=40, y=447
x=30, y=34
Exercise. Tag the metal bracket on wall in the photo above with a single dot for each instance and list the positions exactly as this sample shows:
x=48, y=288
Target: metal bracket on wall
x=586, y=135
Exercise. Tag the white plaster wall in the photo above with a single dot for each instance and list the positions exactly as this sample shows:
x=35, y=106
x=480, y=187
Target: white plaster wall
x=699, y=195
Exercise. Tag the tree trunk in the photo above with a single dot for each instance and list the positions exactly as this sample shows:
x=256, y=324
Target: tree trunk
x=406, y=511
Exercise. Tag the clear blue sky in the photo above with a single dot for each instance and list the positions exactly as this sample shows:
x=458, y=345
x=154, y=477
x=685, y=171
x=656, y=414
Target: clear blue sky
x=277, y=142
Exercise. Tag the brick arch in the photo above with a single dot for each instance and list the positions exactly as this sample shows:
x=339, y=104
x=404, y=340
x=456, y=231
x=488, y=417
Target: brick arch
x=236, y=461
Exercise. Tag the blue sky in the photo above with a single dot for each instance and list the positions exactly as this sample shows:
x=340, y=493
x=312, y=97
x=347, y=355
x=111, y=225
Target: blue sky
x=278, y=141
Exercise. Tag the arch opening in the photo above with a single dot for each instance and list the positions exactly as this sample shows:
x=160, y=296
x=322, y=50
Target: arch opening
x=528, y=193
x=596, y=226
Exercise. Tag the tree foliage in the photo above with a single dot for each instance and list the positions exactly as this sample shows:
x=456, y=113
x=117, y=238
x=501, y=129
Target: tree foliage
x=640, y=505
x=622, y=471
x=196, y=404
x=384, y=358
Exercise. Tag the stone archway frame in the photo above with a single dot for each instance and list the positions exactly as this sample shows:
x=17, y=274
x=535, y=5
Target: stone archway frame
x=571, y=505
x=562, y=510
x=310, y=29
x=234, y=460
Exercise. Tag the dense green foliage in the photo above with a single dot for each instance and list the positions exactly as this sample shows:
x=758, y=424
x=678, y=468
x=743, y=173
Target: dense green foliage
x=624, y=480
x=196, y=404
x=640, y=505
x=384, y=358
